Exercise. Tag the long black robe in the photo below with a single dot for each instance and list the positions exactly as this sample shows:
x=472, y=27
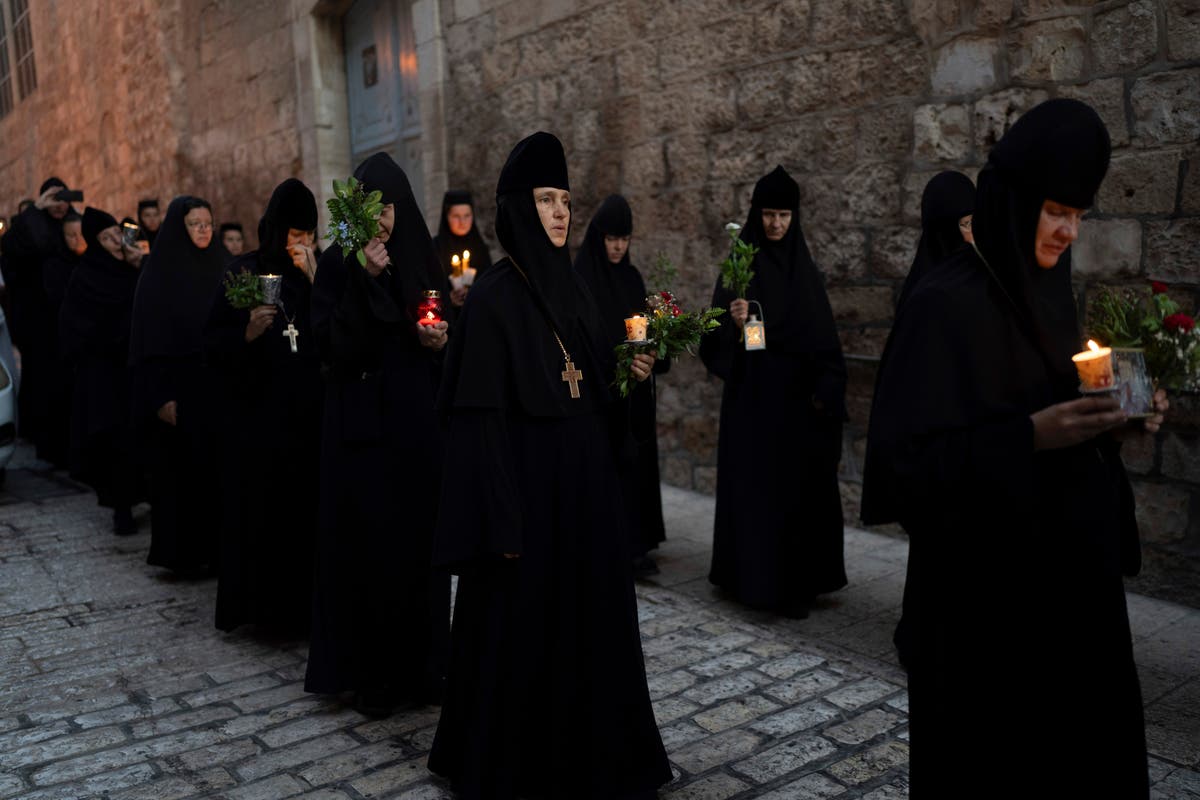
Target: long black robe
x=380, y=616
x=1016, y=557
x=619, y=292
x=94, y=326
x=54, y=443
x=34, y=238
x=447, y=244
x=547, y=683
x=777, y=538
x=174, y=296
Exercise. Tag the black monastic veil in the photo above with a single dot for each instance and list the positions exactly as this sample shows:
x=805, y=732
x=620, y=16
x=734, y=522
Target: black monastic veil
x=449, y=244
x=1016, y=556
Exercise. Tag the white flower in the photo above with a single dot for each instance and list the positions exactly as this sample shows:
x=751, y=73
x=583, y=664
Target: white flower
x=732, y=227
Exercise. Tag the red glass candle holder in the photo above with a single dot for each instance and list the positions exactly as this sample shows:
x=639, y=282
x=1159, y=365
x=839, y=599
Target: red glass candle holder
x=429, y=312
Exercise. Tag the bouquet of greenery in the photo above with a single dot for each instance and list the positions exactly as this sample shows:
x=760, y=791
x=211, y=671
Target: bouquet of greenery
x=353, y=217
x=670, y=332
x=1153, y=322
x=735, y=269
x=243, y=289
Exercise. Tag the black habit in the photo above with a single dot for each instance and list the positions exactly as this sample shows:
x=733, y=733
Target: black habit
x=619, y=292
x=1016, y=559
x=54, y=439
x=777, y=539
x=547, y=682
x=174, y=295
x=94, y=329
x=380, y=616
x=271, y=440
x=448, y=244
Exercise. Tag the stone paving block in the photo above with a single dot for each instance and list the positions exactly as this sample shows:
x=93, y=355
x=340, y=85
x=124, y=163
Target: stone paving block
x=16, y=739
x=862, y=693
x=784, y=668
x=352, y=762
x=428, y=791
x=674, y=736
x=278, y=760
x=252, y=723
x=796, y=718
x=127, y=713
x=229, y=691
x=270, y=698
x=670, y=709
x=170, y=723
x=673, y=659
x=324, y=794
x=723, y=748
x=47, y=711
x=101, y=785
x=871, y=763
x=714, y=787
x=769, y=649
x=864, y=727
x=899, y=702
x=324, y=721
x=246, y=668
x=76, y=768
x=275, y=788
x=723, y=688
x=724, y=664
x=389, y=779
x=11, y=785
x=174, y=787
x=223, y=753
x=59, y=747
x=804, y=686
x=810, y=787
x=736, y=712
x=889, y=792
x=398, y=724
x=669, y=683
x=785, y=758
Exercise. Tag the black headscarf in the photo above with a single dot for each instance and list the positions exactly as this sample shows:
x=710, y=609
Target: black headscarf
x=292, y=205
x=144, y=232
x=176, y=289
x=448, y=244
x=414, y=265
x=98, y=302
x=948, y=197
x=617, y=288
x=786, y=282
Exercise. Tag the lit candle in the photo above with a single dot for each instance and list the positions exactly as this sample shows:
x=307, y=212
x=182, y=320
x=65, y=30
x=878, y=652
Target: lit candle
x=429, y=312
x=1094, y=366
x=455, y=264
x=468, y=273
x=635, y=328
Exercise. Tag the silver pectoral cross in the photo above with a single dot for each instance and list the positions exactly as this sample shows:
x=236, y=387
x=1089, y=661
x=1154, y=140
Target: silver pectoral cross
x=292, y=333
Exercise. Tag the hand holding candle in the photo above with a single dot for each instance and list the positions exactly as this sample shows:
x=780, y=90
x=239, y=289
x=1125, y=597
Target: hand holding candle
x=1094, y=366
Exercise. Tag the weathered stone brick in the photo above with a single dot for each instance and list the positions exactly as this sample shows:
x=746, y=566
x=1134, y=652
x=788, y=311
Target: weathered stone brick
x=861, y=304
x=1141, y=183
x=966, y=65
x=1053, y=49
x=996, y=113
x=1162, y=511
x=810, y=787
x=785, y=758
x=941, y=133
x=1181, y=457
x=723, y=688
x=1166, y=107
x=719, y=749
x=1107, y=249
x=1107, y=96
x=1171, y=249
x=1126, y=37
x=736, y=712
x=805, y=686
x=863, y=728
x=861, y=693
x=893, y=250
x=1183, y=30
x=871, y=763
x=713, y=787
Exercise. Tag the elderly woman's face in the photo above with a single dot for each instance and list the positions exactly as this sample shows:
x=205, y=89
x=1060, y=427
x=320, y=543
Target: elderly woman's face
x=776, y=222
x=199, y=225
x=1058, y=227
x=554, y=209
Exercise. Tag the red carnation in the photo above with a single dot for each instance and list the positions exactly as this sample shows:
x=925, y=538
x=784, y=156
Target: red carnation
x=1179, y=323
x=1158, y=287
x=675, y=312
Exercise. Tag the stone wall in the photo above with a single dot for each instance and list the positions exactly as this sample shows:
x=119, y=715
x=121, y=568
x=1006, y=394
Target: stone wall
x=682, y=105
x=157, y=98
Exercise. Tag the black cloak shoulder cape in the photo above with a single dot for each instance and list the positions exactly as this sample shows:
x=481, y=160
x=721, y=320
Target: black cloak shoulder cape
x=620, y=291
x=1014, y=575
x=270, y=480
x=447, y=244
x=94, y=334
x=948, y=197
x=777, y=538
x=545, y=644
x=380, y=619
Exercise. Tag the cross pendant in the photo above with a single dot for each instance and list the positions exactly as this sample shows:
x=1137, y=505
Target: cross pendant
x=572, y=376
x=292, y=333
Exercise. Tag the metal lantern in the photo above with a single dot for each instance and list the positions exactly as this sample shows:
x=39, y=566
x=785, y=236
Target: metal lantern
x=755, y=330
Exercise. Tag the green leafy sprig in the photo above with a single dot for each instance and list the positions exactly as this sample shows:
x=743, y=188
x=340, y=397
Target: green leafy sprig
x=671, y=331
x=353, y=216
x=1151, y=321
x=243, y=289
x=735, y=269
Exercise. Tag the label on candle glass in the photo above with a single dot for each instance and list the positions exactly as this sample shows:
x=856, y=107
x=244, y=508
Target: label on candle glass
x=635, y=329
x=1095, y=368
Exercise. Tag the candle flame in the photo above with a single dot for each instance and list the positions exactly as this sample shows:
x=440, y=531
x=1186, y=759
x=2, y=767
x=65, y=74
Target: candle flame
x=454, y=260
x=1095, y=348
x=466, y=255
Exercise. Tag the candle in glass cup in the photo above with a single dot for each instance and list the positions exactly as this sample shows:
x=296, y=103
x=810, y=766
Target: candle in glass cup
x=429, y=312
x=1094, y=366
x=635, y=328
x=271, y=286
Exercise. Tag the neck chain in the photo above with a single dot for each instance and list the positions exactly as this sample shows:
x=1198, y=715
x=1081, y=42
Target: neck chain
x=570, y=374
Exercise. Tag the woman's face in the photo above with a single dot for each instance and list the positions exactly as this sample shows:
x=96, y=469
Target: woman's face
x=233, y=241
x=1058, y=227
x=296, y=236
x=616, y=247
x=460, y=217
x=776, y=222
x=964, y=227
x=110, y=240
x=386, y=220
x=554, y=209
x=199, y=226
x=73, y=235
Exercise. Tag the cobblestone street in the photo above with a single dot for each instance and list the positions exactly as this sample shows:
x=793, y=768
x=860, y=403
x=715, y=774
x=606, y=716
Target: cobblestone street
x=116, y=685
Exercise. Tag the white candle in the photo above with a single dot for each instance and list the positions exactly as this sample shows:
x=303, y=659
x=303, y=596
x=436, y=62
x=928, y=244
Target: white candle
x=635, y=328
x=1094, y=366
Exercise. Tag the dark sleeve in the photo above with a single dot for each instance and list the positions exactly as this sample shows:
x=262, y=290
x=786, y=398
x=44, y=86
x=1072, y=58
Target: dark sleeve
x=475, y=531
x=830, y=386
x=352, y=313
x=718, y=348
x=154, y=386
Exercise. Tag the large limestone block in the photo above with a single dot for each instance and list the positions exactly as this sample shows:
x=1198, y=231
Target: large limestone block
x=941, y=133
x=965, y=65
x=1107, y=249
x=1126, y=37
x=1049, y=50
x=1141, y=183
x=1166, y=107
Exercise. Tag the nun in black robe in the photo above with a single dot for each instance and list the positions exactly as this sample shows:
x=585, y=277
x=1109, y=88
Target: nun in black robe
x=94, y=329
x=54, y=441
x=381, y=617
x=547, y=683
x=271, y=441
x=620, y=291
x=777, y=539
x=34, y=237
x=144, y=233
x=448, y=244
x=175, y=293
x=1017, y=554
